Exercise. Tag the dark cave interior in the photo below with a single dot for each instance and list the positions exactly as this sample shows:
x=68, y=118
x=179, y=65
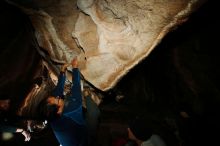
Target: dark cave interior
x=182, y=70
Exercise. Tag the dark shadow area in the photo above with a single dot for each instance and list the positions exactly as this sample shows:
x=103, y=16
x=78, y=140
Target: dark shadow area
x=18, y=55
x=181, y=73
x=19, y=65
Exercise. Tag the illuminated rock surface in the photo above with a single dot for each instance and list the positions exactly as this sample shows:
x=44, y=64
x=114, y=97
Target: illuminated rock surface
x=110, y=37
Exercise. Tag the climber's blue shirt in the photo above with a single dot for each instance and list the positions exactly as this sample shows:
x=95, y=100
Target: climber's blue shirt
x=70, y=129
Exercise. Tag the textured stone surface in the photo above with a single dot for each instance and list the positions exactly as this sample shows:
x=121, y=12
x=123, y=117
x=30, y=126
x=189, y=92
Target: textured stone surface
x=109, y=36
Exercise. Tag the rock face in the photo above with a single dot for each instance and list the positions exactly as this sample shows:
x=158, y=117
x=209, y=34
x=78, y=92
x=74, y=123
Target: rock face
x=108, y=36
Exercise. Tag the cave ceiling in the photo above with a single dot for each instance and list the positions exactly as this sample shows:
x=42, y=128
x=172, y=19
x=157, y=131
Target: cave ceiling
x=109, y=37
